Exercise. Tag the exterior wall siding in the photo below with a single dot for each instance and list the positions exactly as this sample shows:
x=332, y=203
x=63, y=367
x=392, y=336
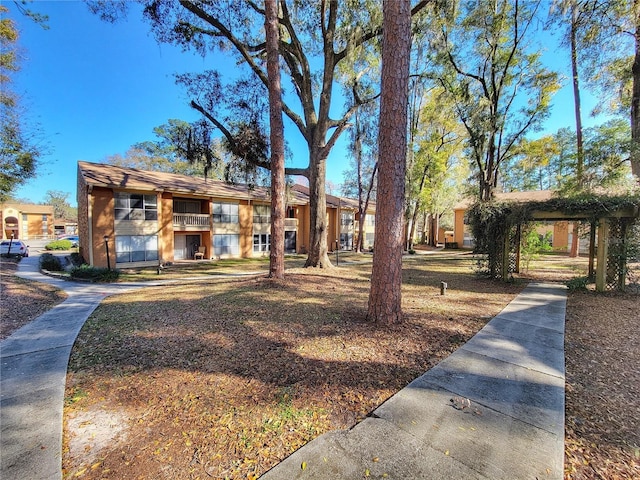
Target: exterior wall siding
x=102, y=222
x=165, y=228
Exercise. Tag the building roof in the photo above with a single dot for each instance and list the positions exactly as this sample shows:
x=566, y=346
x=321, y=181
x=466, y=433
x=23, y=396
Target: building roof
x=112, y=176
x=332, y=200
x=29, y=208
x=519, y=197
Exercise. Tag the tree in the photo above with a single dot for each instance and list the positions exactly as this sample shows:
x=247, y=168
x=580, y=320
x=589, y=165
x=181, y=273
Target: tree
x=501, y=90
x=575, y=14
x=317, y=37
x=529, y=168
x=385, y=297
x=276, y=254
x=61, y=207
x=609, y=56
x=168, y=152
x=360, y=181
x=438, y=140
x=20, y=147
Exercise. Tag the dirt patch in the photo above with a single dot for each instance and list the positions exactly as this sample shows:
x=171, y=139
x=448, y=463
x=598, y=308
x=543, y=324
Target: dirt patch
x=92, y=431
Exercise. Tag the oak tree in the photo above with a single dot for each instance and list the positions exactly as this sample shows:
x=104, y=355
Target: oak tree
x=500, y=87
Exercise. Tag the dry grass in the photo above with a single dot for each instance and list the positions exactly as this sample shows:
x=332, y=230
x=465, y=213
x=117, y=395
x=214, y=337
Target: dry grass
x=224, y=378
x=228, y=378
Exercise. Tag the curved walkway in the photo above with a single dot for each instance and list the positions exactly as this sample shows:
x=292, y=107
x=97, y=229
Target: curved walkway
x=33, y=374
x=494, y=409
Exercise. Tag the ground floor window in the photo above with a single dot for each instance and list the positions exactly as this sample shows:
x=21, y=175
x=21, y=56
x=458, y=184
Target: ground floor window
x=136, y=248
x=261, y=242
x=226, y=244
x=368, y=240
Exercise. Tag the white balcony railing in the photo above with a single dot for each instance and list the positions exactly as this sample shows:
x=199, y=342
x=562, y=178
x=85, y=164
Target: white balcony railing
x=191, y=219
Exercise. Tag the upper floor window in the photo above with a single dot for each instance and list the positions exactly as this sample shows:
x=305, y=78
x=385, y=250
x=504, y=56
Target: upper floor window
x=225, y=213
x=346, y=218
x=135, y=206
x=262, y=214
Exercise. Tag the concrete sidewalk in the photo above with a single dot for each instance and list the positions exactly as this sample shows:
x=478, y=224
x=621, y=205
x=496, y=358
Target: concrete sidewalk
x=33, y=368
x=494, y=409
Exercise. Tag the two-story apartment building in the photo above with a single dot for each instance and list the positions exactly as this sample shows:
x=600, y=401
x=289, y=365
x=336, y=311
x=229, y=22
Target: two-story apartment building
x=27, y=221
x=145, y=218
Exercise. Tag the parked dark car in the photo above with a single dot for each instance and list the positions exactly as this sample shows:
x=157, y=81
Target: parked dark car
x=14, y=247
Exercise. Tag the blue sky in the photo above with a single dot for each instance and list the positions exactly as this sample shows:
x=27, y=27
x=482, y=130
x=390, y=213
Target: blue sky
x=97, y=88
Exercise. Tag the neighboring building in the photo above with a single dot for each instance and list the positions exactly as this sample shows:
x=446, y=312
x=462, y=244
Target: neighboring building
x=145, y=218
x=343, y=227
x=27, y=221
x=65, y=226
x=560, y=231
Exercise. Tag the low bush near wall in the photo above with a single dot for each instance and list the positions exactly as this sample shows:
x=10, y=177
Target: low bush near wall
x=95, y=274
x=51, y=263
x=58, y=245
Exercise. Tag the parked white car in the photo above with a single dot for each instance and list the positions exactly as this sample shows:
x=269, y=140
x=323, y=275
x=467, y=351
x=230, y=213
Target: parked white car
x=14, y=247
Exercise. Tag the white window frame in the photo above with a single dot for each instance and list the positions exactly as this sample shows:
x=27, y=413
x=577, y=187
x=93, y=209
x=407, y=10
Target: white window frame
x=224, y=212
x=136, y=248
x=135, y=206
x=226, y=244
x=261, y=242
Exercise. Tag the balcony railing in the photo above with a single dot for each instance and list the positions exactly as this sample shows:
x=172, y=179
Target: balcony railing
x=191, y=219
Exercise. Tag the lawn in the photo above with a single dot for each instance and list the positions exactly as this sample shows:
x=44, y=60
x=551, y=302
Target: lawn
x=225, y=377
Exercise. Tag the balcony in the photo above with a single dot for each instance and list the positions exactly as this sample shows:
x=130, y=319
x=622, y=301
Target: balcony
x=191, y=221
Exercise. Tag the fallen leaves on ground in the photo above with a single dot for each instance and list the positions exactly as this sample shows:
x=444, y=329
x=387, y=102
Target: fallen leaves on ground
x=602, y=424
x=224, y=379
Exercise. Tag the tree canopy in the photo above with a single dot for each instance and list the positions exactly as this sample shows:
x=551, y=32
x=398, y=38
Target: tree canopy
x=20, y=143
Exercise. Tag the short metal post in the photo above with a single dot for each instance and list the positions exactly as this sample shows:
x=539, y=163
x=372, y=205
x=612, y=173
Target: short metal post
x=106, y=245
x=443, y=288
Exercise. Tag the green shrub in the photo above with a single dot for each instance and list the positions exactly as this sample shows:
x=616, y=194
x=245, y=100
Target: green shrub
x=412, y=251
x=95, y=274
x=76, y=259
x=577, y=284
x=58, y=245
x=50, y=262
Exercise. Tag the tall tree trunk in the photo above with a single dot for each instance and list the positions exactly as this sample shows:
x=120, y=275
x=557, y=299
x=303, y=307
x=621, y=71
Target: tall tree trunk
x=385, y=297
x=318, y=247
x=576, y=97
x=358, y=154
x=276, y=254
x=575, y=245
x=635, y=98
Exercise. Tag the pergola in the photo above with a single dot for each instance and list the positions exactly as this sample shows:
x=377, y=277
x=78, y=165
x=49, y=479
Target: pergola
x=610, y=218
